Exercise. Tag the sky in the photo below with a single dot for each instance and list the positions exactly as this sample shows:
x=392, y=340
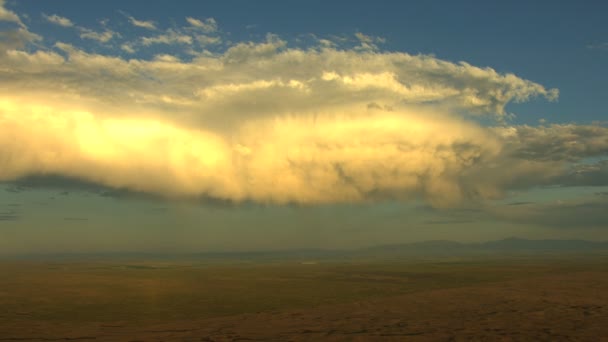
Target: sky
x=236, y=125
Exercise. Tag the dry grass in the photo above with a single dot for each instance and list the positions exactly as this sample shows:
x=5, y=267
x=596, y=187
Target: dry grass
x=551, y=299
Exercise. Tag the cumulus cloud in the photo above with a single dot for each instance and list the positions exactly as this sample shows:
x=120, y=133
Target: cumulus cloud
x=58, y=20
x=280, y=159
x=267, y=122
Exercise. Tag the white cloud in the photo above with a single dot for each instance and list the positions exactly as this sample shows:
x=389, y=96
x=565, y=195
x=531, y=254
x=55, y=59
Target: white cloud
x=207, y=40
x=280, y=160
x=128, y=48
x=150, y=25
x=102, y=37
x=9, y=16
x=58, y=20
x=207, y=25
x=17, y=37
x=169, y=38
x=368, y=42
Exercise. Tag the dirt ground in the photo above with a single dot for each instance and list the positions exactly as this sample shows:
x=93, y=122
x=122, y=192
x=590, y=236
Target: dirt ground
x=570, y=306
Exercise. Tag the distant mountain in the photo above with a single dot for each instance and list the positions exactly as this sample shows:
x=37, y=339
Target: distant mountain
x=556, y=245
x=499, y=246
x=433, y=248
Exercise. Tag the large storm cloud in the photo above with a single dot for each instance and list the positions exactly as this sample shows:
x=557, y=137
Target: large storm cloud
x=274, y=123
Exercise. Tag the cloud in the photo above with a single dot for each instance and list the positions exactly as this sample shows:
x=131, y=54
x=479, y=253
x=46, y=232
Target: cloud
x=271, y=160
x=150, y=25
x=85, y=33
x=128, y=48
x=14, y=37
x=58, y=20
x=207, y=40
x=267, y=122
x=55, y=182
x=367, y=42
x=9, y=16
x=171, y=37
x=102, y=37
x=568, y=142
x=586, y=174
x=208, y=25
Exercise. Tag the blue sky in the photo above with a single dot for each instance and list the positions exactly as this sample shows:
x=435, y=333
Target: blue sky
x=252, y=125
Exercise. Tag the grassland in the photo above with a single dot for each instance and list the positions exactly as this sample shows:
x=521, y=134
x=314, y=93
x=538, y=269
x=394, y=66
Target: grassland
x=551, y=298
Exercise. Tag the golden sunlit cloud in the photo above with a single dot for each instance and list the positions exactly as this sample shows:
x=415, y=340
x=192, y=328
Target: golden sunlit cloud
x=333, y=157
x=267, y=123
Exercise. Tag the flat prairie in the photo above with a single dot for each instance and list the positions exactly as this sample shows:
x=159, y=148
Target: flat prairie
x=558, y=298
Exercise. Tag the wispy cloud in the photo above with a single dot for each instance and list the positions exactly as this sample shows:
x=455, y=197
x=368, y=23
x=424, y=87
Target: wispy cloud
x=150, y=25
x=368, y=42
x=586, y=174
x=102, y=37
x=85, y=33
x=9, y=16
x=58, y=20
x=208, y=25
x=128, y=48
x=169, y=38
x=204, y=40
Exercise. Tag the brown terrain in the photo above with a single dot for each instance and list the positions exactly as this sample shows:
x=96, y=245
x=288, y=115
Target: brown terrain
x=464, y=301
